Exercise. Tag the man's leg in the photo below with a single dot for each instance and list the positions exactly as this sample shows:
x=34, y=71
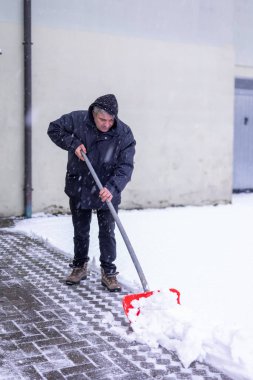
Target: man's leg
x=107, y=244
x=81, y=222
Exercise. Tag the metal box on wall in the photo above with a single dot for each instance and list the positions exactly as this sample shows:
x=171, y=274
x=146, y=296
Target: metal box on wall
x=243, y=136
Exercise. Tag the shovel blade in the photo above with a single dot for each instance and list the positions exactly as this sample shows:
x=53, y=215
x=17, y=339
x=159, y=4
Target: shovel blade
x=129, y=298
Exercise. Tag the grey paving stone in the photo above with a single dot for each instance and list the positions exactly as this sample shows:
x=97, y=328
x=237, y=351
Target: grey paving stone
x=77, y=357
x=54, y=375
x=30, y=373
x=78, y=369
x=52, y=331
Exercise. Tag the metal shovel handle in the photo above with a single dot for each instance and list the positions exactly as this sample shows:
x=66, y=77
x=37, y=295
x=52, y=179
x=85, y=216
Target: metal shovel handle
x=120, y=227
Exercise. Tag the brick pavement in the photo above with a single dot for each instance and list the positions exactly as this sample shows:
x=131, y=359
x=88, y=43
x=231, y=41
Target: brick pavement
x=52, y=331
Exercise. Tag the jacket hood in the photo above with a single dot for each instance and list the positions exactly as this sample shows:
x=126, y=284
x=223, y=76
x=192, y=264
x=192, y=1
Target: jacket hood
x=107, y=103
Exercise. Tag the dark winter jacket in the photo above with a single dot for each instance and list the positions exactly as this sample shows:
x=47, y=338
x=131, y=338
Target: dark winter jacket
x=111, y=154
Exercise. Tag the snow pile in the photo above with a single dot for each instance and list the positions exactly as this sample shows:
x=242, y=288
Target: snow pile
x=160, y=320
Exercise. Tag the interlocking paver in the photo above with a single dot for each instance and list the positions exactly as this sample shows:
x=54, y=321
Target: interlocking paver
x=55, y=332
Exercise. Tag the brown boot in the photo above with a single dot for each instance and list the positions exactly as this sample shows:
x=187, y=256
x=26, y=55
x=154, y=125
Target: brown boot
x=77, y=274
x=110, y=281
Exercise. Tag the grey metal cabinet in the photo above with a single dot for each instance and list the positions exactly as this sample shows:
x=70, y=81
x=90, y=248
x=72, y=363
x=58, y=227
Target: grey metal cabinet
x=243, y=136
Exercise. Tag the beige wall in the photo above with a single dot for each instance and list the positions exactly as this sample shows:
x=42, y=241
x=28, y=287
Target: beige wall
x=242, y=71
x=176, y=96
x=11, y=124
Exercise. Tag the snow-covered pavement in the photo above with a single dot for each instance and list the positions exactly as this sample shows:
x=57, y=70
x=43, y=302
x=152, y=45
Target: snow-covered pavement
x=206, y=253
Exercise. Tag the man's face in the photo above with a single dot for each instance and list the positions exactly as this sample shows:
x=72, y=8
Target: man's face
x=103, y=120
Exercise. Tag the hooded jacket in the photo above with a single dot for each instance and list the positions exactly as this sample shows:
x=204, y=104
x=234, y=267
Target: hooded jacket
x=111, y=153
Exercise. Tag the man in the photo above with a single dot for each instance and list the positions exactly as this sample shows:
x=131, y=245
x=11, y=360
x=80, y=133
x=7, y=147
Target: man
x=110, y=146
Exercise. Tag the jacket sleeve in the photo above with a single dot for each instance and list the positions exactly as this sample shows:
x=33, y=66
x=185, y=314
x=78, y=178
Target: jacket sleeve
x=61, y=132
x=124, y=169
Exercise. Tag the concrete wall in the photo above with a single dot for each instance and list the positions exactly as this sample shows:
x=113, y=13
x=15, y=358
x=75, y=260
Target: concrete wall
x=243, y=38
x=11, y=111
x=171, y=66
x=243, y=32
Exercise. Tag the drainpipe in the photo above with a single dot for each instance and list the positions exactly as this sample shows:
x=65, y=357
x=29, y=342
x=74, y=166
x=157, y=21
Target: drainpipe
x=27, y=110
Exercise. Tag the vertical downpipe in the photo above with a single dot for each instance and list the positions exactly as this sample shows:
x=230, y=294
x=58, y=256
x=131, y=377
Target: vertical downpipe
x=27, y=110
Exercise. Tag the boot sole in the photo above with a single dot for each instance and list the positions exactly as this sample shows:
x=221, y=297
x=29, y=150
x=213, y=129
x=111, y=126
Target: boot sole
x=111, y=290
x=75, y=283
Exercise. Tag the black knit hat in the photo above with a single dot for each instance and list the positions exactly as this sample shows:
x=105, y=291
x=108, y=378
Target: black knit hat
x=107, y=103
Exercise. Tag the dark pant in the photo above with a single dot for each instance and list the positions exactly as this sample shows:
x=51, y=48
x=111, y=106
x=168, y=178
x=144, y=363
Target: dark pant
x=81, y=219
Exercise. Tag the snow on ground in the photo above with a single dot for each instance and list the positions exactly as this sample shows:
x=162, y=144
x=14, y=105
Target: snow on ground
x=206, y=253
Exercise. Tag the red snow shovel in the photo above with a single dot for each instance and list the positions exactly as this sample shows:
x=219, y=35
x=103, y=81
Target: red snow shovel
x=127, y=300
